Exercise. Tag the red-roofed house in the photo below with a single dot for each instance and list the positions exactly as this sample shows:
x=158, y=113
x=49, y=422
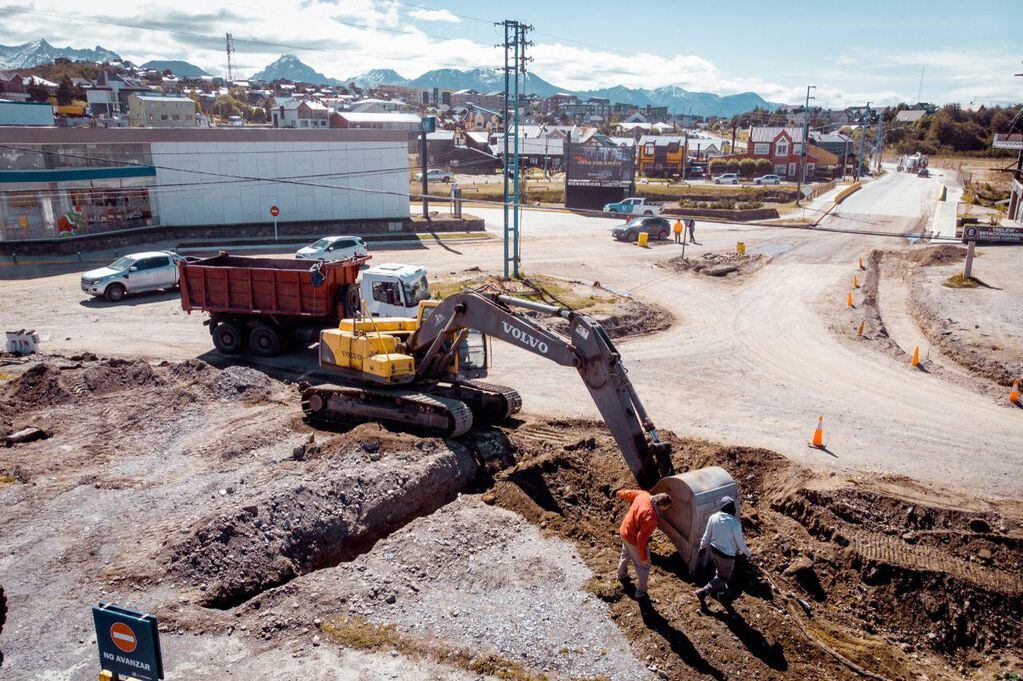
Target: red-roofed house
x=783, y=147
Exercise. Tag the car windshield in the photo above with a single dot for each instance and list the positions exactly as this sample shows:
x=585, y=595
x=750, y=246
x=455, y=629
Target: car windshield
x=322, y=243
x=416, y=291
x=122, y=263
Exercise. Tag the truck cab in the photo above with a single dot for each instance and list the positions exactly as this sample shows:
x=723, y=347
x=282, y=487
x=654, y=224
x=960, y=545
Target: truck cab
x=393, y=290
x=633, y=206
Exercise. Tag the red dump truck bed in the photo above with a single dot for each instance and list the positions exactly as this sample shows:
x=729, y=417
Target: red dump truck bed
x=263, y=304
x=278, y=286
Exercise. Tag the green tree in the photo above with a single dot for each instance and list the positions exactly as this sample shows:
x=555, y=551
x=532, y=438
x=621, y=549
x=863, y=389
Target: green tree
x=764, y=166
x=65, y=92
x=37, y=92
x=747, y=167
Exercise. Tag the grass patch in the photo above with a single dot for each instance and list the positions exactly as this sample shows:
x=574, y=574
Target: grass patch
x=361, y=634
x=959, y=281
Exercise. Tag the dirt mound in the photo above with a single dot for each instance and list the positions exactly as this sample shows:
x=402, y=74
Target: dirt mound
x=242, y=383
x=118, y=374
x=895, y=586
x=936, y=255
x=39, y=385
x=619, y=314
x=318, y=512
x=730, y=265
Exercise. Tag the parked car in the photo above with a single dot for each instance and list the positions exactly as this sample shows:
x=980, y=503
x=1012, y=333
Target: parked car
x=434, y=175
x=633, y=206
x=656, y=228
x=135, y=273
x=727, y=178
x=767, y=179
x=333, y=248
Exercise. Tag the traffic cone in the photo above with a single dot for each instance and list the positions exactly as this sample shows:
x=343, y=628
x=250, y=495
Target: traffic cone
x=859, y=331
x=856, y=282
x=848, y=300
x=861, y=263
x=916, y=357
x=1014, y=395
x=818, y=434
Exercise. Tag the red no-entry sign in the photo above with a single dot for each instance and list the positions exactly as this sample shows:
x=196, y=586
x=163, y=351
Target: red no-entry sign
x=275, y=211
x=123, y=637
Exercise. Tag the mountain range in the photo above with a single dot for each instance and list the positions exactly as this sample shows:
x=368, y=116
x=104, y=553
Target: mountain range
x=179, y=68
x=41, y=52
x=677, y=99
x=290, y=67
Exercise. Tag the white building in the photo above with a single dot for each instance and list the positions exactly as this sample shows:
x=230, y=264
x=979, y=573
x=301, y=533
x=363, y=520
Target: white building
x=106, y=180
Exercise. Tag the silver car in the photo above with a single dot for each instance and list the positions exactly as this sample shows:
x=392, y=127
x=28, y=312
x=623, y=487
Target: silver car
x=133, y=273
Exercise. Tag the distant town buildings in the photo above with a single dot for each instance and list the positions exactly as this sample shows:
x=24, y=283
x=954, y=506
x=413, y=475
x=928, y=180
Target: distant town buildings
x=161, y=111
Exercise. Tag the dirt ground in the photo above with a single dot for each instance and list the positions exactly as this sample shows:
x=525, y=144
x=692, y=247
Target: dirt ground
x=723, y=265
x=284, y=549
x=620, y=314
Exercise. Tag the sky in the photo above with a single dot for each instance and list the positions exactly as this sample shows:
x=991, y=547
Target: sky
x=852, y=52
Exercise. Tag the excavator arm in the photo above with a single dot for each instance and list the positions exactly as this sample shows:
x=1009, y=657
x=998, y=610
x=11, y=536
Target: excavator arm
x=587, y=347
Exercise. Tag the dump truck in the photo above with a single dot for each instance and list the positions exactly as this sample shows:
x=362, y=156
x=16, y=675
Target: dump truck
x=262, y=304
x=424, y=372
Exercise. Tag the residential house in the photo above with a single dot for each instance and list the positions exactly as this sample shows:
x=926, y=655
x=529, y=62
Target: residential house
x=461, y=151
x=110, y=92
x=300, y=113
x=910, y=116
x=782, y=146
x=838, y=144
x=661, y=155
x=466, y=98
x=375, y=105
x=161, y=111
x=550, y=106
x=12, y=86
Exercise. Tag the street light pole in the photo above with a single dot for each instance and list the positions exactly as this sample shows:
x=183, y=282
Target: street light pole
x=806, y=141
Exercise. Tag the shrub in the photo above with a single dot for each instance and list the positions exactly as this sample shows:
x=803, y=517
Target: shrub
x=764, y=166
x=747, y=167
x=732, y=165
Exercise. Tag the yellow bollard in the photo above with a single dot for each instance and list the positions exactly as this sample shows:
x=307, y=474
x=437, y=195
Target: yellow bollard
x=642, y=240
x=740, y=248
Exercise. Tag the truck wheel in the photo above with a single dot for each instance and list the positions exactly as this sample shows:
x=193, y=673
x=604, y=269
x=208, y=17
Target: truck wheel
x=228, y=338
x=115, y=293
x=648, y=213
x=350, y=300
x=265, y=341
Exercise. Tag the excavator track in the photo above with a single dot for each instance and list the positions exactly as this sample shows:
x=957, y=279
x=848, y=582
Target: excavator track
x=490, y=402
x=437, y=414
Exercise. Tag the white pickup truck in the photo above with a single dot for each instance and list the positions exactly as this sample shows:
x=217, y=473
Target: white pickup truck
x=633, y=206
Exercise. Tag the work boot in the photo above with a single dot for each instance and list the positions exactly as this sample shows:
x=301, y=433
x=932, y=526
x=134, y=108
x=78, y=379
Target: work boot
x=642, y=596
x=702, y=597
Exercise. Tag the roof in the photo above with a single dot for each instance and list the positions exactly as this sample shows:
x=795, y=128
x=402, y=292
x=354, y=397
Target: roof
x=910, y=115
x=162, y=98
x=662, y=140
x=383, y=117
x=479, y=137
x=766, y=134
x=1007, y=141
x=533, y=146
x=440, y=135
x=829, y=138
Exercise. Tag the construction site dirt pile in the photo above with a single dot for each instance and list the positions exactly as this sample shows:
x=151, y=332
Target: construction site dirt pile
x=620, y=315
x=896, y=586
x=730, y=265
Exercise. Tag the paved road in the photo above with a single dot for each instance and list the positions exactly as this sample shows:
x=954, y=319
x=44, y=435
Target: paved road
x=749, y=362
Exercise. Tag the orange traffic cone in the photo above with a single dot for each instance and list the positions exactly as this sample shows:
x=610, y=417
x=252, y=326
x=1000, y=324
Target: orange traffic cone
x=859, y=331
x=861, y=263
x=818, y=434
x=848, y=300
x=916, y=357
x=1014, y=395
x=856, y=282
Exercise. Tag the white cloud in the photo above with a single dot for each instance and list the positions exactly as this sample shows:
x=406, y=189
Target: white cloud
x=342, y=38
x=422, y=14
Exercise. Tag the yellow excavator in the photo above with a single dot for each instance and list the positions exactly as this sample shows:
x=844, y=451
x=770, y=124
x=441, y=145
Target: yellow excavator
x=424, y=372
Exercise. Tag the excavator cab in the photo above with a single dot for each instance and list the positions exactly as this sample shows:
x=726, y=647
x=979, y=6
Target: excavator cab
x=472, y=358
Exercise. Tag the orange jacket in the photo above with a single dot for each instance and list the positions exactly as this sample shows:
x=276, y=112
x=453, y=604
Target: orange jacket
x=678, y=227
x=640, y=522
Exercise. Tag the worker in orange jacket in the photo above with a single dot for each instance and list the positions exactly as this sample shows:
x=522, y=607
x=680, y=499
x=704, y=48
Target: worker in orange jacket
x=637, y=527
x=677, y=229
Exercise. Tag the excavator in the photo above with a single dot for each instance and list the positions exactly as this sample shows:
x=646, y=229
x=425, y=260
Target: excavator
x=424, y=372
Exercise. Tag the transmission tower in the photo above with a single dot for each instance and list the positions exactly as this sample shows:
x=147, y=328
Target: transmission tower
x=515, y=60
x=229, y=46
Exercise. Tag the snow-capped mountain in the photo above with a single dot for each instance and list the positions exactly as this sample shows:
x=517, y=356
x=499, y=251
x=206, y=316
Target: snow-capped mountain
x=378, y=77
x=182, y=69
x=41, y=52
x=290, y=67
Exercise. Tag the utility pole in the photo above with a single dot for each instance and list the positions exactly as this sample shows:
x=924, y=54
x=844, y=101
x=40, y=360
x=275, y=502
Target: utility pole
x=425, y=125
x=229, y=45
x=880, y=137
x=920, y=90
x=515, y=60
x=864, y=119
x=806, y=141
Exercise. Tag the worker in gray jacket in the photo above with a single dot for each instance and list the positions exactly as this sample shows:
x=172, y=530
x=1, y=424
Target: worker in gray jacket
x=723, y=537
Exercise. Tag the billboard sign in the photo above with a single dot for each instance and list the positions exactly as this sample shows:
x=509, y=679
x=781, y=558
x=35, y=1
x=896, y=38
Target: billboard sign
x=599, y=166
x=128, y=641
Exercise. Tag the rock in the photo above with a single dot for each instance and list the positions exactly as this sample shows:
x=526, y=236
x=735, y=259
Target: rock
x=371, y=445
x=799, y=566
x=979, y=525
x=30, y=434
x=720, y=270
x=985, y=554
x=316, y=640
